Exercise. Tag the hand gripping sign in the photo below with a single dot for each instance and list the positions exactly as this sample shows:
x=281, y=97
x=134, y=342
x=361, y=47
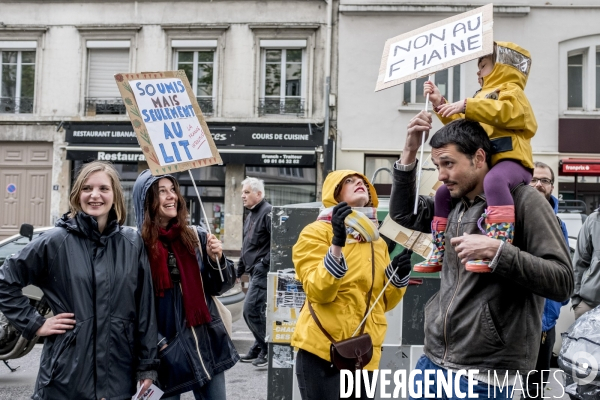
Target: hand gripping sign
x=167, y=120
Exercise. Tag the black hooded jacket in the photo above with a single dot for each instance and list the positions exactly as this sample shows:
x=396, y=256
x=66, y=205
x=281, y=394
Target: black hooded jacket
x=104, y=279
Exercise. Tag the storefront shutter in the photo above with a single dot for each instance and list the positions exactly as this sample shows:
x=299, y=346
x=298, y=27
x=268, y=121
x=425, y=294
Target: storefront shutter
x=103, y=65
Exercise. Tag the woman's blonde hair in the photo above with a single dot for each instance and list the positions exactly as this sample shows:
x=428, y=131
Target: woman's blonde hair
x=82, y=176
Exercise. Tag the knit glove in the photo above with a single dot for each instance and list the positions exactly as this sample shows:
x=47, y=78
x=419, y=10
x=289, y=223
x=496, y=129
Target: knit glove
x=340, y=212
x=401, y=263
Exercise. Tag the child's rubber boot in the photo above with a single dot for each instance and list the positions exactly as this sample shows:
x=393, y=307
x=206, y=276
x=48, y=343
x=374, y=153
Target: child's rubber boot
x=436, y=257
x=500, y=224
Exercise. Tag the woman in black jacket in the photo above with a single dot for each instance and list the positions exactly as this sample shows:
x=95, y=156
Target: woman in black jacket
x=194, y=347
x=95, y=276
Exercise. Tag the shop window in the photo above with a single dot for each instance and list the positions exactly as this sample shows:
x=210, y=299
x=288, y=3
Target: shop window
x=256, y=170
x=17, y=83
x=294, y=172
x=282, y=80
x=447, y=81
x=199, y=67
x=286, y=185
x=378, y=169
x=580, y=74
x=103, y=97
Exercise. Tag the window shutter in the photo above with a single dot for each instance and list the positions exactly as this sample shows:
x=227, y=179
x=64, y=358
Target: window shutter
x=103, y=65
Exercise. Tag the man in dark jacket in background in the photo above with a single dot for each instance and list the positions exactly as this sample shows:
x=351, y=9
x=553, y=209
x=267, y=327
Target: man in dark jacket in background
x=543, y=182
x=489, y=322
x=256, y=260
x=586, y=264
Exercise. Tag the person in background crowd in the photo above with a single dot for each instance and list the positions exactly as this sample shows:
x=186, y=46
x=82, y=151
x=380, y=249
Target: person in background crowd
x=255, y=260
x=484, y=322
x=543, y=182
x=194, y=347
x=341, y=260
x=95, y=276
x=586, y=262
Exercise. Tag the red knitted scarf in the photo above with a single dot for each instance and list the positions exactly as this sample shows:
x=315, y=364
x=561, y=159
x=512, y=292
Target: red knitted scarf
x=194, y=301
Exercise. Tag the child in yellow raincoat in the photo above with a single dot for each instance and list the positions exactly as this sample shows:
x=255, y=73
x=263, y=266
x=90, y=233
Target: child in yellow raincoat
x=339, y=259
x=502, y=109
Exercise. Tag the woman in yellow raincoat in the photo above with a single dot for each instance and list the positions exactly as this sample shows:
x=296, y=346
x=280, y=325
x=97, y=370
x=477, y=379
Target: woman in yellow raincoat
x=502, y=109
x=334, y=259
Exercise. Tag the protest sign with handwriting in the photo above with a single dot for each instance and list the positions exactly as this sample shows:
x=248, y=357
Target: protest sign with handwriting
x=167, y=120
x=437, y=46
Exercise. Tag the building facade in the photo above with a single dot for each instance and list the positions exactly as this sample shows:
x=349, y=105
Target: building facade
x=258, y=70
x=563, y=88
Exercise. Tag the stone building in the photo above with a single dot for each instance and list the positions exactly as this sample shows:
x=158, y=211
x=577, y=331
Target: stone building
x=259, y=69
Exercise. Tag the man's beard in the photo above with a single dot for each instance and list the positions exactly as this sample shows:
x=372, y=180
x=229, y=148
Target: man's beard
x=468, y=184
x=546, y=195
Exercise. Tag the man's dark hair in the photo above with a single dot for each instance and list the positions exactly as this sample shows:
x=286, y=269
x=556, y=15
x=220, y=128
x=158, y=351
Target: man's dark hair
x=468, y=136
x=539, y=164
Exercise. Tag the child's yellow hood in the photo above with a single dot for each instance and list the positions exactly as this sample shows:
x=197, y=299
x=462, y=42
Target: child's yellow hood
x=512, y=65
x=335, y=178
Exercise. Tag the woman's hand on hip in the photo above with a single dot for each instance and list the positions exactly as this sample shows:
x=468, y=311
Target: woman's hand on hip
x=57, y=325
x=214, y=247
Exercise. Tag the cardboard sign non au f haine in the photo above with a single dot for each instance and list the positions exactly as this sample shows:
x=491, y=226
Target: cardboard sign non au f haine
x=437, y=46
x=167, y=120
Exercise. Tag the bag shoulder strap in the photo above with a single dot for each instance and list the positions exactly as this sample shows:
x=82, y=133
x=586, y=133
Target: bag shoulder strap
x=362, y=329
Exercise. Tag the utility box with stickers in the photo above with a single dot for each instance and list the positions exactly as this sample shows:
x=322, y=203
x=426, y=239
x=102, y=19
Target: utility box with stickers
x=404, y=338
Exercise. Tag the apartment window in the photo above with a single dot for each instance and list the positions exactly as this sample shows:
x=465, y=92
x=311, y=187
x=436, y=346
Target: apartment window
x=575, y=84
x=199, y=67
x=580, y=75
x=17, y=72
x=283, y=77
x=447, y=81
x=105, y=59
x=583, y=79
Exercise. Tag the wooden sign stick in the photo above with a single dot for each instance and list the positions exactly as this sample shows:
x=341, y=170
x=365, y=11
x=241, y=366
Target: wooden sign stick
x=421, y=158
x=206, y=219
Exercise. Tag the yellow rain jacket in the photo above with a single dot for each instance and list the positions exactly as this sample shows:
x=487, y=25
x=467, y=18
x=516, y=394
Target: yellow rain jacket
x=502, y=107
x=340, y=303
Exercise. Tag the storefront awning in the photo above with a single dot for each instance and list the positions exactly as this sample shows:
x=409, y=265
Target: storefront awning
x=250, y=156
x=579, y=166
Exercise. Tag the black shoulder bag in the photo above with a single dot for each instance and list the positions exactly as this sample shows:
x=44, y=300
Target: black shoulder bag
x=356, y=352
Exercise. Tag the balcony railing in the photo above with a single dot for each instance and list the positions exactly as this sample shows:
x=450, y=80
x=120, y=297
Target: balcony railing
x=279, y=106
x=104, y=106
x=207, y=105
x=16, y=105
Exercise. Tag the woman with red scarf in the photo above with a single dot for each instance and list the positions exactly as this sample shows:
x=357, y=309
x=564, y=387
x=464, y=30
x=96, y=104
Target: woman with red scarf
x=194, y=347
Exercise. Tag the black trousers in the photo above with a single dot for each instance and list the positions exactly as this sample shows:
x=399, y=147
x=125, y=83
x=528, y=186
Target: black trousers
x=542, y=364
x=255, y=308
x=318, y=379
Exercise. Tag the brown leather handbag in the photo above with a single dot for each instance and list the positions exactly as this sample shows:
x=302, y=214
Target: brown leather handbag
x=356, y=352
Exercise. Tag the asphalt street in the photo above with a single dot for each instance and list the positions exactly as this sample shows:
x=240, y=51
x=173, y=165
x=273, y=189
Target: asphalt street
x=244, y=381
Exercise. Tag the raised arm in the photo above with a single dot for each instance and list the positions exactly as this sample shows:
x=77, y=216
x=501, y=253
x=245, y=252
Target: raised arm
x=404, y=188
